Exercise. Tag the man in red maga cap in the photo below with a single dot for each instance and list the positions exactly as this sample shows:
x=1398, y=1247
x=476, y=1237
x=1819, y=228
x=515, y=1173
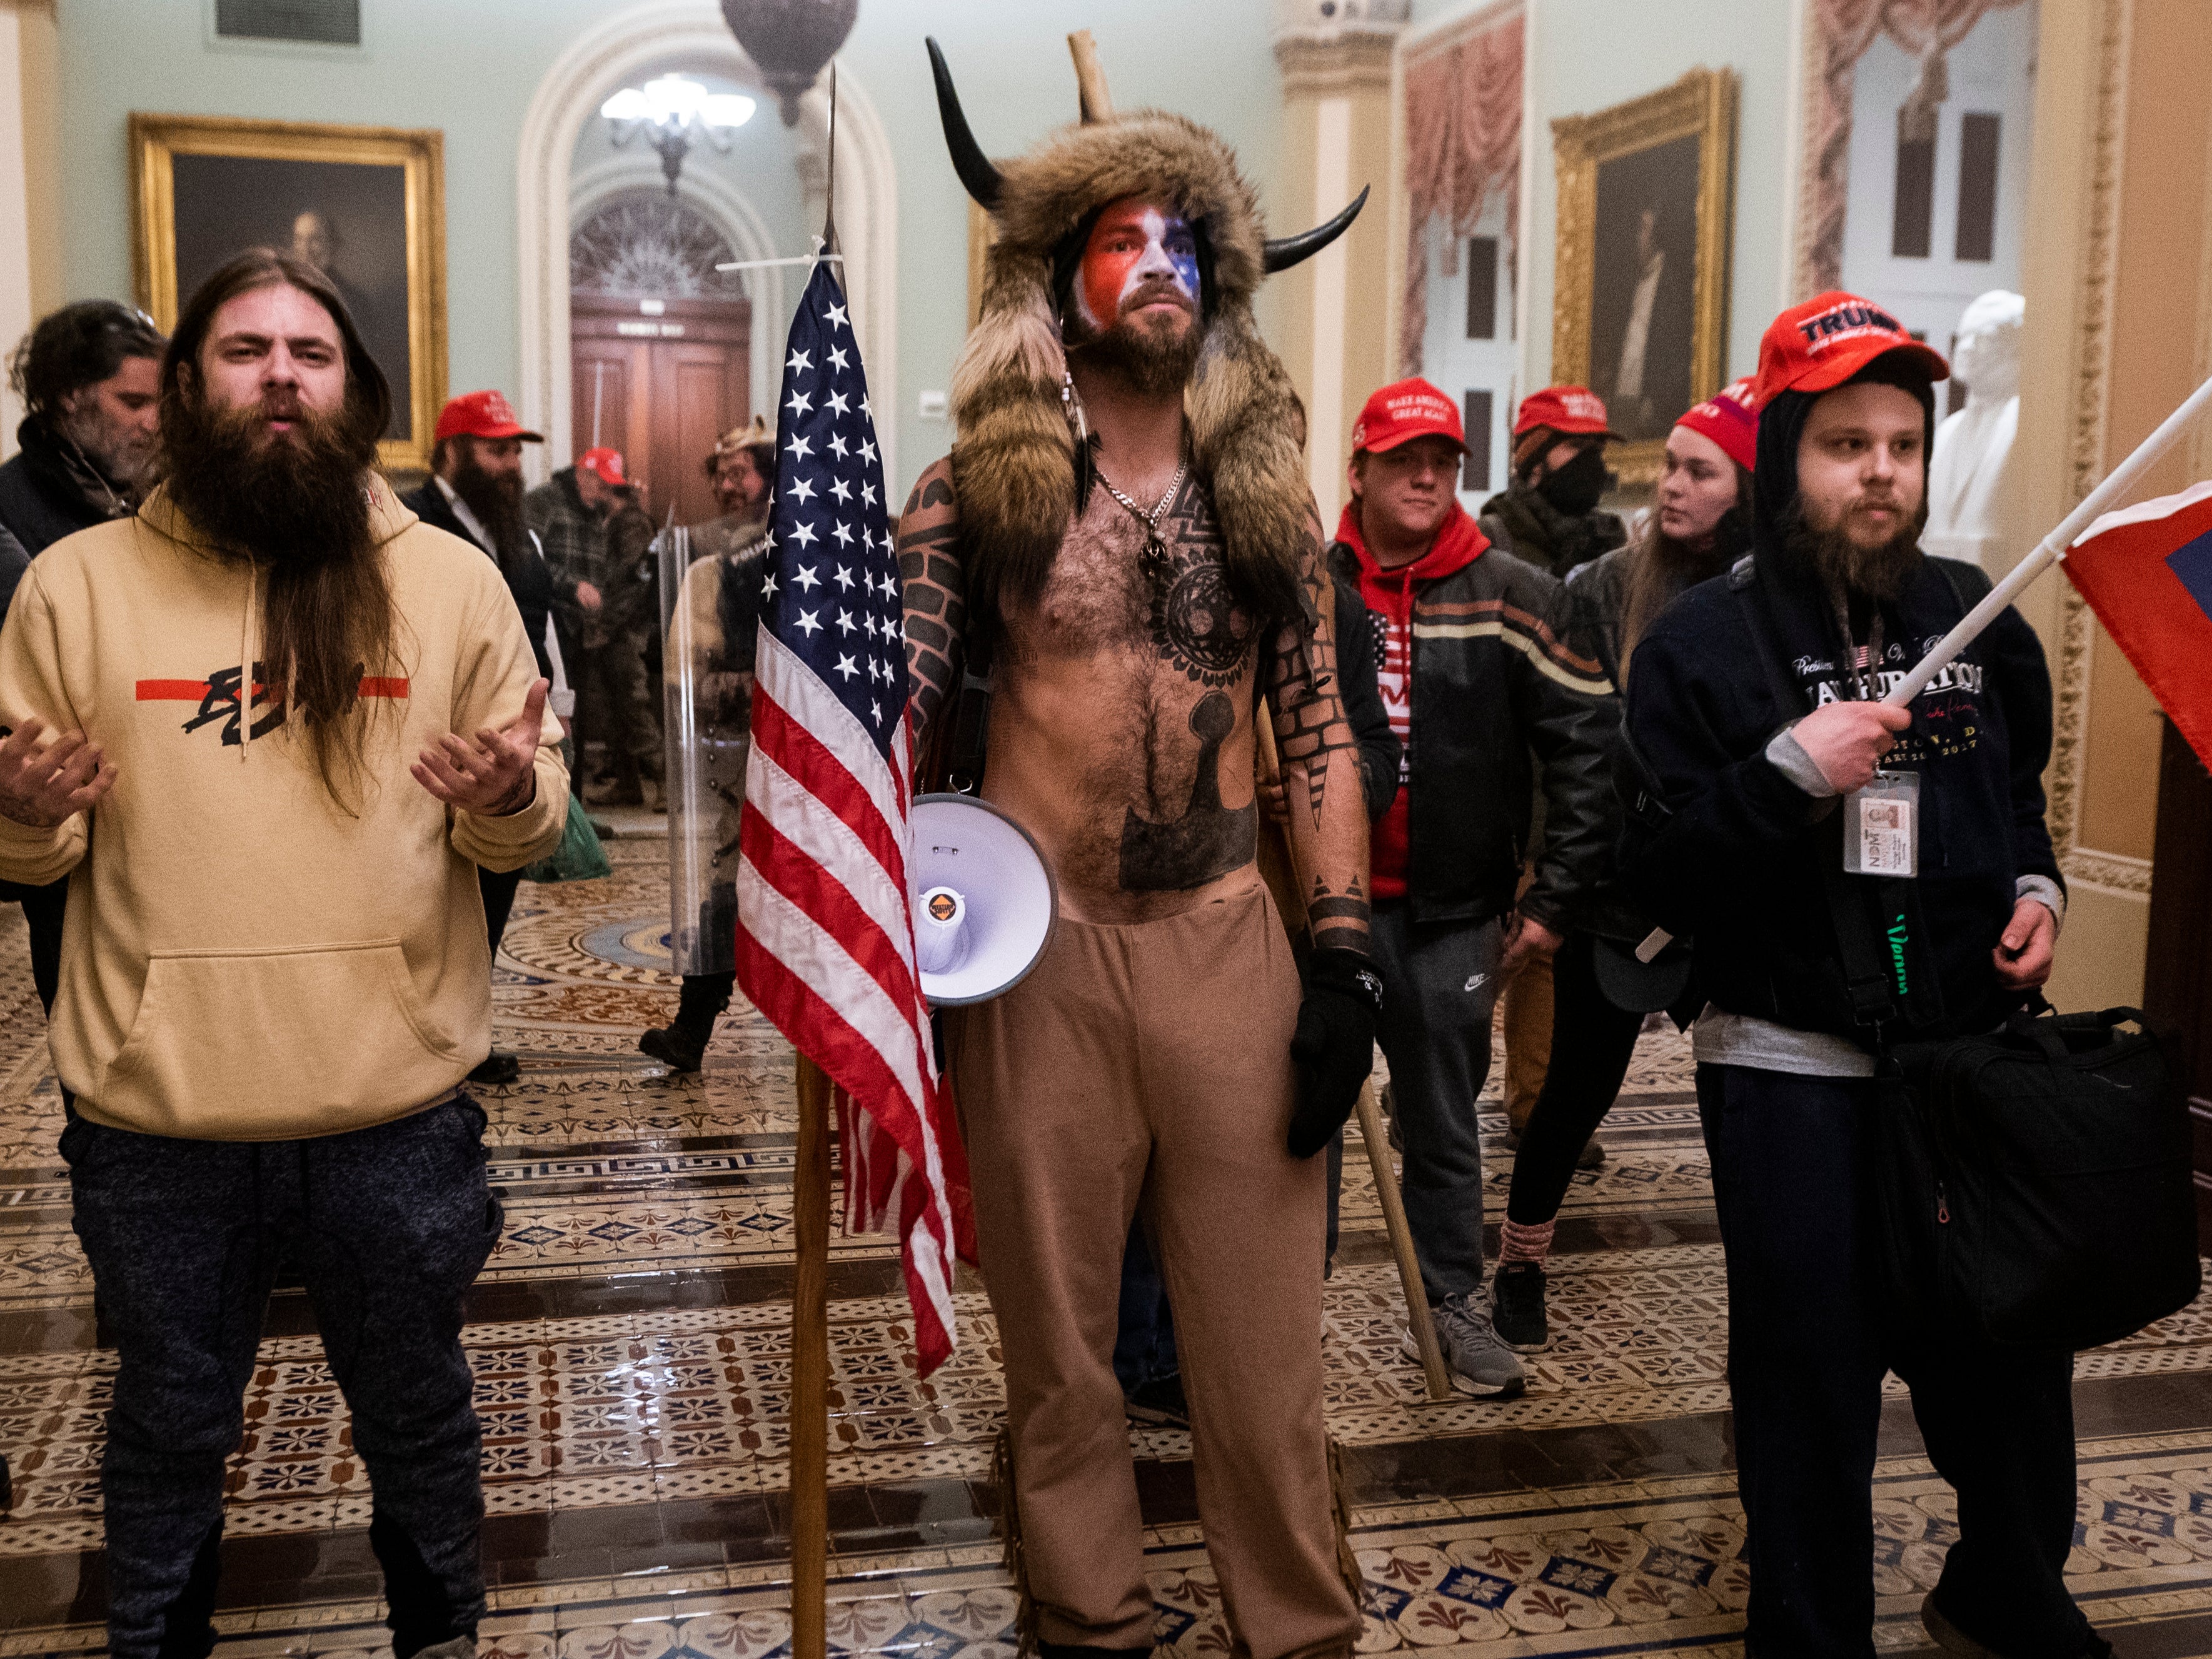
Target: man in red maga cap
x=1549, y=514
x=1474, y=678
x=475, y=492
x=1755, y=704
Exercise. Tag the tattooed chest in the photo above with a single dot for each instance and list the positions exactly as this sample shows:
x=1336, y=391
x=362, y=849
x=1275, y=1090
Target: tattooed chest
x=1164, y=594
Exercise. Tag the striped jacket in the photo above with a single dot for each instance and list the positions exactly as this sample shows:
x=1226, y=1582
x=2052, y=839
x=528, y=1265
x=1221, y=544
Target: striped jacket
x=1496, y=692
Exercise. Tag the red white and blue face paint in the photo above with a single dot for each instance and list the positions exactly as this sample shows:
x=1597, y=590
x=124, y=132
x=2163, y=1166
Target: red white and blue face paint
x=1134, y=246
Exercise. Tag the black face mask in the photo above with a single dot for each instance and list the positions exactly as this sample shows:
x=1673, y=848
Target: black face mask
x=1575, y=487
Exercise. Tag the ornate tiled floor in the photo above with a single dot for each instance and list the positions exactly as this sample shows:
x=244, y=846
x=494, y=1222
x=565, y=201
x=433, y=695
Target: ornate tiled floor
x=630, y=1343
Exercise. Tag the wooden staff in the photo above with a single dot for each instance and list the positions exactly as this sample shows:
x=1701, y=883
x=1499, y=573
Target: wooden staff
x=1278, y=867
x=809, y=1370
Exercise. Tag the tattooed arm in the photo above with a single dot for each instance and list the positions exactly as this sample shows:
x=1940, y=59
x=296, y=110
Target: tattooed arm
x=1321, y=763
x=935, y=597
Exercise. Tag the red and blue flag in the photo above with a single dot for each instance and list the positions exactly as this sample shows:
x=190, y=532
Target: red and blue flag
x=2147, y=572
x=825, y=934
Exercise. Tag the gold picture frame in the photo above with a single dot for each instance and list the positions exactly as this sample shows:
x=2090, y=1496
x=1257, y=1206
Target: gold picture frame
x=203, y=188
x=1641, y=185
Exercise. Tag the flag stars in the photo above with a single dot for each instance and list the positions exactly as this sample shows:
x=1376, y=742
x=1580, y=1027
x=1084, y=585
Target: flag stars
x=801, y=448
x=800, y=490
x=835, y=318
x=838, y=447
x=800, y=403
x=837, y=405
x=837, y=358
x=841, y=490
x=807, y=579
x=844, y=622
x=844, y=534
x=807, y=624
x=800, y=363
x=844, y=578
x=867, y=449
x=867, y=494
x=802, y=534
x=846, y=667
x=767, y=587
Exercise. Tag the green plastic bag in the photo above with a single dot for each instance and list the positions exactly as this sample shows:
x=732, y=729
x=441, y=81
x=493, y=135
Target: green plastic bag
x=578, y=858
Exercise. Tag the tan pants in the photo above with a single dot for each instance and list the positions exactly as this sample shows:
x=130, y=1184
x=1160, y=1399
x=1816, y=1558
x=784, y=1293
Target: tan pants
x=1527, y=1038
x=1153, y=1062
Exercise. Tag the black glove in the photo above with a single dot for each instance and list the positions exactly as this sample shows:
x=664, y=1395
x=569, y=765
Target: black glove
x=1334, y=1047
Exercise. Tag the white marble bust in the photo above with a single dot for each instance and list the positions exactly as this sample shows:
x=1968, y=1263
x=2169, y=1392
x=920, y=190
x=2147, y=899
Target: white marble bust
x=1965, y=476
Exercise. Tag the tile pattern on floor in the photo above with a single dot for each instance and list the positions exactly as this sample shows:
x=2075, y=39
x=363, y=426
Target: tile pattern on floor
x=631, y=1184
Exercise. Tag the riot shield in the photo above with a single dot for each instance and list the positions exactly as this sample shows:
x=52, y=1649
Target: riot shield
x=707, y=680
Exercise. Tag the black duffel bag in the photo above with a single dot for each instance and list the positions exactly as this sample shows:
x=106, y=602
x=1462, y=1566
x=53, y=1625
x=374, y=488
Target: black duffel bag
x=2034, y=1183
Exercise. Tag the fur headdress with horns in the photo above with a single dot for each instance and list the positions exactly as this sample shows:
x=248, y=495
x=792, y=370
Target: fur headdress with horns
x=1014, y=464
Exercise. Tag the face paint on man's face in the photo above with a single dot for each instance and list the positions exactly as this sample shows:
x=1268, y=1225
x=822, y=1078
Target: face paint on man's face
x=1135, y=243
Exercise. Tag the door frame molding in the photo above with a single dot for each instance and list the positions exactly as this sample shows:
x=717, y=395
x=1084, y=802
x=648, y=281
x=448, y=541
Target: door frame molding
x=651, y=36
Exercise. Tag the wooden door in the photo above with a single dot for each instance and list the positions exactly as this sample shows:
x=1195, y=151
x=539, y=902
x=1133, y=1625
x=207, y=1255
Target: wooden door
x=666, y=378
x=2177, y=974
x=608, y=393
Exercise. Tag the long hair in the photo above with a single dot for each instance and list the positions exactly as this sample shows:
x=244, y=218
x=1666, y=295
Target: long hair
x=327, y=616
x=1660, y=567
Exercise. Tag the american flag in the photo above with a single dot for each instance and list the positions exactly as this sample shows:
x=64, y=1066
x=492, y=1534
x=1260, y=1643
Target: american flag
x=825, y=935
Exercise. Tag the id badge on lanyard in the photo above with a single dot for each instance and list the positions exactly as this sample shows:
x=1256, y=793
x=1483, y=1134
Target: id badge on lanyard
x=1881, y=827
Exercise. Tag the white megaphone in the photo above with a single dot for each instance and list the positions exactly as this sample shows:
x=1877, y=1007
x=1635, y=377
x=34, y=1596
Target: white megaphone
x=984, y=903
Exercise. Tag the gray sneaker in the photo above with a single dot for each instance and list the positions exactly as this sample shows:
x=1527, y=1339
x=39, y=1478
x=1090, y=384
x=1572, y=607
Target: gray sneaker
x=1479, y=1362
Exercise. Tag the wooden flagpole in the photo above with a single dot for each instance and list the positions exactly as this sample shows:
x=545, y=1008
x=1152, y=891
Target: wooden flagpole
x=810, y=1283
x=809, y=1404
x=1279, y=868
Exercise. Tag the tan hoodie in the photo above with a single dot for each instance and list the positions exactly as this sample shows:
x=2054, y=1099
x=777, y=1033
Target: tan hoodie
x=243, y=960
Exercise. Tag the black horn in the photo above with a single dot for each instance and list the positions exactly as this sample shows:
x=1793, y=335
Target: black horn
x=1284, y=252
x=969, y=160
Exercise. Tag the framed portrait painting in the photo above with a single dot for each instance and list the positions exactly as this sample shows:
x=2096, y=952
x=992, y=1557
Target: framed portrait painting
x=1640, y=297
x=365, y=204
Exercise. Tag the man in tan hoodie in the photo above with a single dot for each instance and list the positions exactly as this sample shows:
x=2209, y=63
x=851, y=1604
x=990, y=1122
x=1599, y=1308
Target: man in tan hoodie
x=274, y=974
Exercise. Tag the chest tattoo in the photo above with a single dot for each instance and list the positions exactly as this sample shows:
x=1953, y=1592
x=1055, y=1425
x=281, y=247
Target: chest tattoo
x=1208, y=840
x=1195, y=622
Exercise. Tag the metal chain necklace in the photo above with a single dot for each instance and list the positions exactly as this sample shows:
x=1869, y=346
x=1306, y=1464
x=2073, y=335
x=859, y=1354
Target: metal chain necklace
x=1155, y=552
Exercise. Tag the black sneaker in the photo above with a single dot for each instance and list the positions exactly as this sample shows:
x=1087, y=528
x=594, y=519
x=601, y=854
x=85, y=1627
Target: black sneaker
x=1949, y=1638
x=1158, y=1402
x=1592, y=1156
x=1517, y=1308
x=498, y=1068
x=673, y=1046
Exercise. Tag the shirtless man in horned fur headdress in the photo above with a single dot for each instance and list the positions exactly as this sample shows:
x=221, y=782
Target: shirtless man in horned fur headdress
x=1124, y=538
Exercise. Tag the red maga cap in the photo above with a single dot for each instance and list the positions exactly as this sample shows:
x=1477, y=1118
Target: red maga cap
x=1574, y=410
x=606, y=465
x=1819, y=345
x=1730, y=419
x=481, y=415
x=1410, y=409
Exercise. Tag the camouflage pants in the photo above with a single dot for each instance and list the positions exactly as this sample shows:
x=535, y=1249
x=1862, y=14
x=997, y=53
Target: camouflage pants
x=617, y=706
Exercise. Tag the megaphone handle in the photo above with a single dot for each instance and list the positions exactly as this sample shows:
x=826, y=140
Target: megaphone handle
x=1268, y=766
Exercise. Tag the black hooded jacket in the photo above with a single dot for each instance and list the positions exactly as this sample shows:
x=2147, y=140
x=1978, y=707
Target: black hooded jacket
x=43, y=498
x=1741, y=864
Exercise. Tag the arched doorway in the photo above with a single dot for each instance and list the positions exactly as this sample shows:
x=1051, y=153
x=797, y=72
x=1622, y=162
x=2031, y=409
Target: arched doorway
x=644, y=38
x=661, y=344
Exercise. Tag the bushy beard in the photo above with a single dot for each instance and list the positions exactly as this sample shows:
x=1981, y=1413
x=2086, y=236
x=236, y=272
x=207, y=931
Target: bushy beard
x=298, y=508
x=1155, y=359
x=297, y=502
x=1878, y=572
x=496, y=499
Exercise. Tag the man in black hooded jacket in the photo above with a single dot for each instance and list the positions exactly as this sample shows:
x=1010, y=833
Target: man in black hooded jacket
x=87, y=375
x=1754, y=700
